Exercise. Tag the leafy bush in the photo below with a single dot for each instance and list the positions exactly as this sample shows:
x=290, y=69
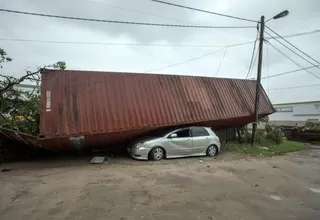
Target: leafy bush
x=313, y=125
x=274, y=134
x=262, y=139
x=245, y=136
x=264, y=120
x=271, y=135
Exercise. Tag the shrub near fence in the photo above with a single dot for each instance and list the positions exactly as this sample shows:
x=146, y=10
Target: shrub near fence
x=272, y=134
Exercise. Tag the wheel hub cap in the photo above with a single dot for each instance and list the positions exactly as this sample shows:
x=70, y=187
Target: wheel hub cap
x=158, y=153
x=212, y=150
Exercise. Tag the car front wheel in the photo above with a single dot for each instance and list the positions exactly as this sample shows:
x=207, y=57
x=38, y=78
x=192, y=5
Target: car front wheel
x=157, y=153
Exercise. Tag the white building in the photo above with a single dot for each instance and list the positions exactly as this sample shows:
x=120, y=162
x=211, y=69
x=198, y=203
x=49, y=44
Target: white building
x=26, y=87
x=298, y=112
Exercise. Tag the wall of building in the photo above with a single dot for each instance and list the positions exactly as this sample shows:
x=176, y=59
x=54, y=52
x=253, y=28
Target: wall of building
x=26, y=87
x=295, y=113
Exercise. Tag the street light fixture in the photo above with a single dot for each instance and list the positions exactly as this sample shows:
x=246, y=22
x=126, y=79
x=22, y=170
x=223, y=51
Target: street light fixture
x=282, y=14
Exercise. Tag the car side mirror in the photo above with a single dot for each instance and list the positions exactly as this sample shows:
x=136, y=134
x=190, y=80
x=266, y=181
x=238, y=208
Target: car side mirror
x=174, y=135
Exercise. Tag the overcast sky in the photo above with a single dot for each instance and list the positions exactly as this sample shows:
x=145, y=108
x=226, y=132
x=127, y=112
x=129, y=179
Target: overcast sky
x=304, y=16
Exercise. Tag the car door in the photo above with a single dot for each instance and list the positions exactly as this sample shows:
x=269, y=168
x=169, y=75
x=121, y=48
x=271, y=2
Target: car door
x=181, y=144
x=200, y=140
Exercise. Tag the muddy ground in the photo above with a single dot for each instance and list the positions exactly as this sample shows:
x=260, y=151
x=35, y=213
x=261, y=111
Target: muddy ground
x=231, y=186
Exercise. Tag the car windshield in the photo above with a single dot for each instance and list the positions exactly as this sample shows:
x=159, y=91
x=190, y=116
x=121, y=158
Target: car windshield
x=162, y=132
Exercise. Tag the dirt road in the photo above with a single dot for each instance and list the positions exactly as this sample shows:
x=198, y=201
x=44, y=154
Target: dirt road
x=230, y=187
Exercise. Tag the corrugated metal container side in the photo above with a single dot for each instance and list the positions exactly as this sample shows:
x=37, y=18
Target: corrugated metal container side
x=75, y=103
x=226, y=134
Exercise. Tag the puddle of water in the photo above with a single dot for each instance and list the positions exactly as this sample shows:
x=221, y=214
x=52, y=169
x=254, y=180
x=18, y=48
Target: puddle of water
x=315, y=190
x=274, y=197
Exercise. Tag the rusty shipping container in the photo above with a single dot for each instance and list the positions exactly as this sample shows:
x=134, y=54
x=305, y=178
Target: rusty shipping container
x=88, y=109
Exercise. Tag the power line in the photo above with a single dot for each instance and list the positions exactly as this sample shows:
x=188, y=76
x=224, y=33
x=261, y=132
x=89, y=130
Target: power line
x=290, y=49
x=254, y=63
x=174, y=19
x=293, y=45
x=252, y=57
x=288, y=72
x=283, y=54
x=111, y=44
x=154, y=15
x=295, y=87
x=205, y=11
x=134, y=11
x=183, y=62
x=121, y=22
x=196, y=58
x=295, y=35
x=292, y=60
x=224, y=54
x=268, y=66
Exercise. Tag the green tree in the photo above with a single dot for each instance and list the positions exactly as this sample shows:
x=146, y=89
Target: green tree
x=4, y=58
x=20, y=110
x=264, y=120
x=61, y=65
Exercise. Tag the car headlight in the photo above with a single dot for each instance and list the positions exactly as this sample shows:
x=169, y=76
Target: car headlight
x=140, y=145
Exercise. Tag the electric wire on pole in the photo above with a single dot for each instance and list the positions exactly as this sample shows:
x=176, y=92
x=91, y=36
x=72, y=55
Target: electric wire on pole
x=305, y=59
x=293, y=45
x=288, y=72
x=283, y=54
x=121, y=22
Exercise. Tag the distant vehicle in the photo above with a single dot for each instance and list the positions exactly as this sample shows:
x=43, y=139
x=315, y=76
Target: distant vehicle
x=184, y=142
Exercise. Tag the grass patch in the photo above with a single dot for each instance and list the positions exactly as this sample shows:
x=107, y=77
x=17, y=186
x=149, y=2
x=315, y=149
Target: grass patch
x=266, y=150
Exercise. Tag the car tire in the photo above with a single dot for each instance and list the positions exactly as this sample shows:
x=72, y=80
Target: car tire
x=212, y=151
x=157, y=153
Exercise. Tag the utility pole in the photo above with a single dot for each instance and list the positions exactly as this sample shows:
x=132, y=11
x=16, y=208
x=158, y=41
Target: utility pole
x=258, y=86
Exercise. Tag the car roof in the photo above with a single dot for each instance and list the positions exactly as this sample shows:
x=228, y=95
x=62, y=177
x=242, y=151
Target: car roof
x=192, y=127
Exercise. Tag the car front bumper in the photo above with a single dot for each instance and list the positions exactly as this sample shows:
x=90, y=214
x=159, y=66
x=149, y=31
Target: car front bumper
x=139, y=154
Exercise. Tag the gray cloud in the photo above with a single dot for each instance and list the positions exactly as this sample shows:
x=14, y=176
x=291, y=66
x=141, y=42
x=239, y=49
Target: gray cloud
x=304, y=16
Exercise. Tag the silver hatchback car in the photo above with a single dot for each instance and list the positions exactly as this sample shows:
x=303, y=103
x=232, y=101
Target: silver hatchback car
x=184, y=142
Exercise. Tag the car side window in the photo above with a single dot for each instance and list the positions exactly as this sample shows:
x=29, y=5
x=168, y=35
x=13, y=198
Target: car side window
x=199, y=132
x=183, y=133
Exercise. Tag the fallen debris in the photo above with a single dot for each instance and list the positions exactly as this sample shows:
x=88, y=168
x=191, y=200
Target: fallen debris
x=315, y=190
x=97, y=159
x=6, y=170
x=274, y=197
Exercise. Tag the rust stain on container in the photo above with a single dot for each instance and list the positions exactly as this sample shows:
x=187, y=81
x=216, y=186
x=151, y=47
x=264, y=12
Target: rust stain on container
x=110, y=106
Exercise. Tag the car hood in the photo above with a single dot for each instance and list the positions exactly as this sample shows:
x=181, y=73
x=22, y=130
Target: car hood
x=145, y=139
